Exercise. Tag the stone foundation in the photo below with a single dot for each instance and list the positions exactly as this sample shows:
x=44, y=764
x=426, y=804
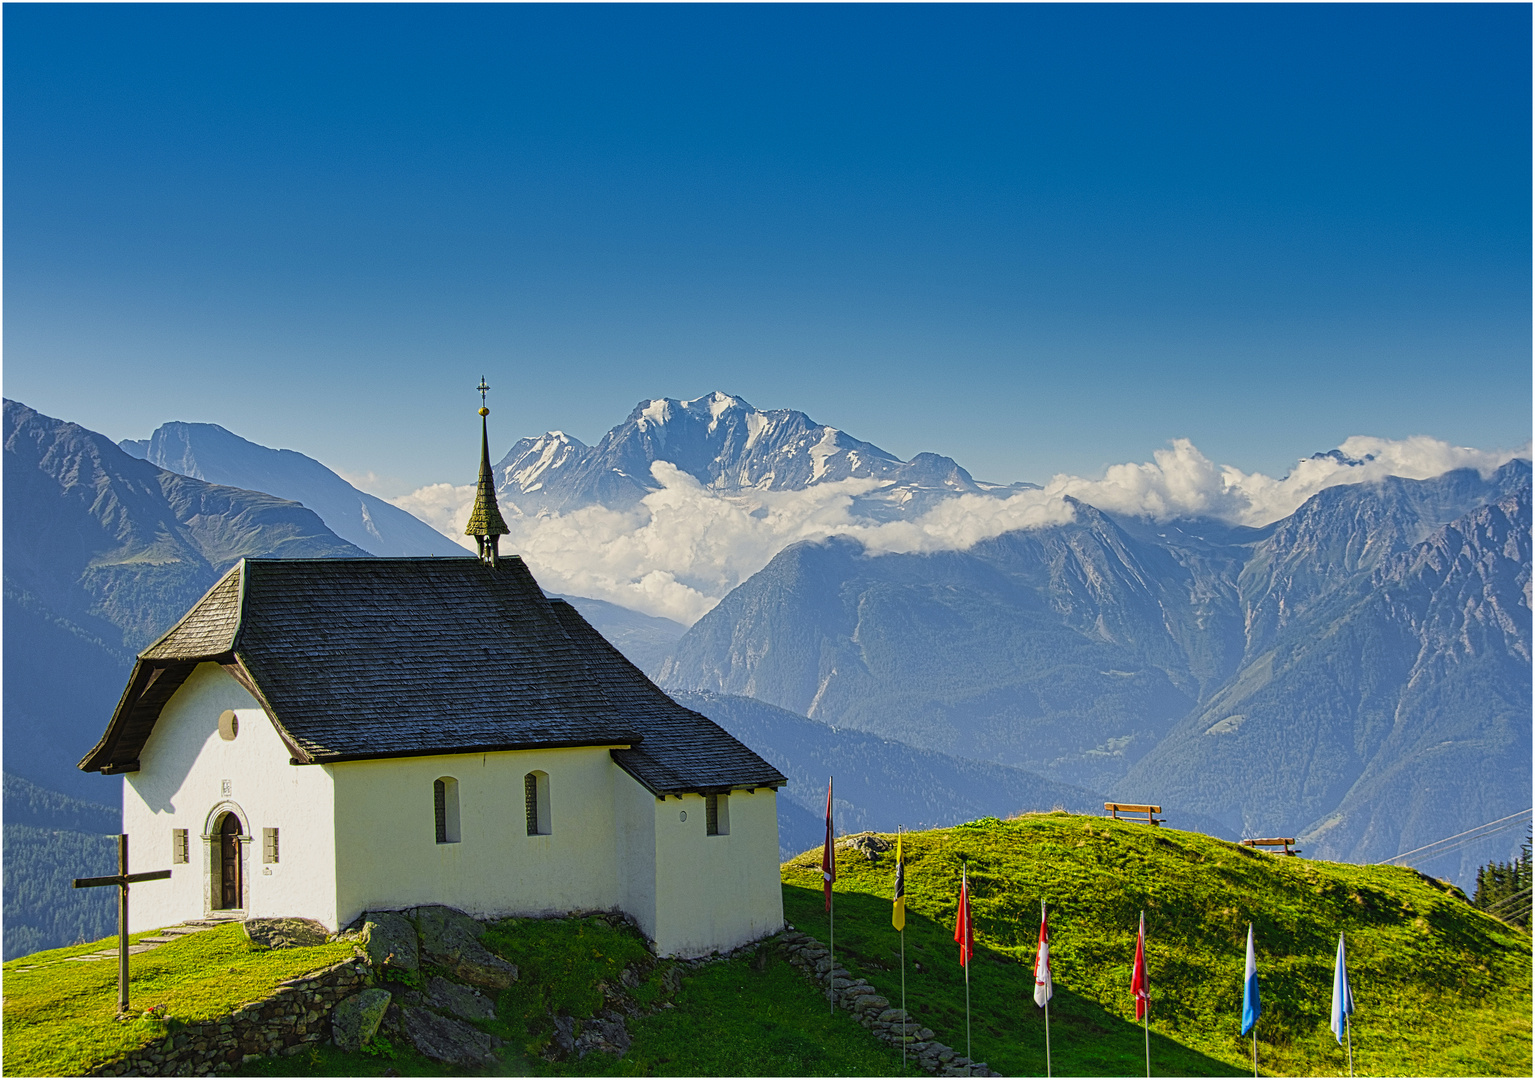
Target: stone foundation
x=294, y=1016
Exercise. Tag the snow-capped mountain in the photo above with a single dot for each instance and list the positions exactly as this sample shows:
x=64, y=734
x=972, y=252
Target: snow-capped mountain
x=728, y=446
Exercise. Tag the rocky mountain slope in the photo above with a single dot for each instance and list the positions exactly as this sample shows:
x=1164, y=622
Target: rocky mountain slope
x=883, y=784
x=1357, y=672
x=727, y=445
x=1391, y=712
x=209, y=452
x=103, y=552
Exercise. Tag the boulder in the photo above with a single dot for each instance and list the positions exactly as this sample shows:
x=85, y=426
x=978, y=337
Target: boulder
x=462, y=1001
x=355, y=1020
x=478, y=965
x=451, y=939
x=444, y=930
x=285, y=933
x=390, y=940
x=606, y=1034
x=563, y=1043
x=444, y=1039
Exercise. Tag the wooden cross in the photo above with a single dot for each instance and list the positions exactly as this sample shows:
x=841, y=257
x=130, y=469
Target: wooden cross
x=121, y=879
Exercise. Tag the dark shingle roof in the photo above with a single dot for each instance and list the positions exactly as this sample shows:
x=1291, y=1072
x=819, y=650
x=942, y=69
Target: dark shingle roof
x=679, y=749
x=370, y=658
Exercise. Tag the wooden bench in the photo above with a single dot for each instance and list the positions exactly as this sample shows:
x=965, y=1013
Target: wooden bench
x=1275, y=842
x=1134, y=808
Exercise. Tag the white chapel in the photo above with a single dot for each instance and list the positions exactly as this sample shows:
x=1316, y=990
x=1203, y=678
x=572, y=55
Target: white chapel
x=324, y=737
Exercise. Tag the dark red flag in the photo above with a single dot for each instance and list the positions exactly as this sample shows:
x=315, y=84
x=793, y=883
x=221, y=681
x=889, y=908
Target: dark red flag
x=1138, y=985
x=828, y=853
x=963, y=932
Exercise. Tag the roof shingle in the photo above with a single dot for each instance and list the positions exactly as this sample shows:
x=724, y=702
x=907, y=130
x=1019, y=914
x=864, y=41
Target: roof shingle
x=370, y=658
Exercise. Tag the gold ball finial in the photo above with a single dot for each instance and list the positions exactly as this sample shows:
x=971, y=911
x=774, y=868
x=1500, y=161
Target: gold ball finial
x=484, y=411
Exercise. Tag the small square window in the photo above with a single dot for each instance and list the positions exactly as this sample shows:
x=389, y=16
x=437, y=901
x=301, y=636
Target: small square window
x=269, y=845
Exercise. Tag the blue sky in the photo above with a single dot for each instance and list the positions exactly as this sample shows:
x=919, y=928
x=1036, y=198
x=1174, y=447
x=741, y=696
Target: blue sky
x=1037, y=239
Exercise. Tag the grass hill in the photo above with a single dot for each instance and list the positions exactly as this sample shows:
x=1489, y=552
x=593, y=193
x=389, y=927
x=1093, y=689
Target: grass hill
x=1440, y=988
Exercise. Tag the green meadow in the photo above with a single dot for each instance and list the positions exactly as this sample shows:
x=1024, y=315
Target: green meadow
x=1440, y=988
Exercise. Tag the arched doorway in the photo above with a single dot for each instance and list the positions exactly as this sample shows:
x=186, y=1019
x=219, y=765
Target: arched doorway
x=230, y=893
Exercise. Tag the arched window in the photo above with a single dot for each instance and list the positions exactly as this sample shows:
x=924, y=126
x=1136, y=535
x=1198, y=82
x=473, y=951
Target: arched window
x=535, y=789
x=445, y=809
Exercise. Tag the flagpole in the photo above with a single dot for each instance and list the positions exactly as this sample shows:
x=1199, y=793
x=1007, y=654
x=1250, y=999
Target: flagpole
x=1146, y=1012
x=1047, y=1038
x=965, y=881
x=1255, y=1052
x=906, y=1018
x=831, y=905
x=1349, y=1029
x=1048, y=1071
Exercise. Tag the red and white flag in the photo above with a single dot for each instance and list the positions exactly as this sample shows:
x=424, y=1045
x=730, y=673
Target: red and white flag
x=1044, y=988
x=1138, y=985
x=963, y=932
x=828, y=853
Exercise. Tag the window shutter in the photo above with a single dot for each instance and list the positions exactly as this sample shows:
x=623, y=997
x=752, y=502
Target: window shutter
x=711, y=815
x=269, y=845
x=530, y=794
x=440, y=806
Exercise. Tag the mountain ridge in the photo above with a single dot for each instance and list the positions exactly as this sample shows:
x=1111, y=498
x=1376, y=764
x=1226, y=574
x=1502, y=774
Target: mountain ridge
x=728, y=445
x=1097, y=652
x=103, y=552
x=219, y=456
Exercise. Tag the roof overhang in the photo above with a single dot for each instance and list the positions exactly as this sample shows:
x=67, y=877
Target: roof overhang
x=488, y=748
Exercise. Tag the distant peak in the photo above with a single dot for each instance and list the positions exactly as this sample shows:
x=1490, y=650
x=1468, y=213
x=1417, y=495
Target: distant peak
x=661, y=411
x=1341, y=458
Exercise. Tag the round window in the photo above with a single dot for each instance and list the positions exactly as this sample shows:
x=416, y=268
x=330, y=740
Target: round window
x=682, y=815
x=229, y=725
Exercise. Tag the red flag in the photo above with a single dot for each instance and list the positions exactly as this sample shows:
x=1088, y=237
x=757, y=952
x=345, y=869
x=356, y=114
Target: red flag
x=964, y=933
x=1138, y=985
x=828, y=854
x=1044, y=983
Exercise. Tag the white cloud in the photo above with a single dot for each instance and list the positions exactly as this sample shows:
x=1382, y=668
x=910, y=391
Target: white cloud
x=1182, y=482
x=684, y=546
x=445, y=507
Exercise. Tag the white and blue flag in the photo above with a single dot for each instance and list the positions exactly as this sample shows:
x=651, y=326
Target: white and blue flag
x=1250, y=1006
x=1342, y=993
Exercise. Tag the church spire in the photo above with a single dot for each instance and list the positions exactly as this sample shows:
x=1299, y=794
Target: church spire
x=485, y=523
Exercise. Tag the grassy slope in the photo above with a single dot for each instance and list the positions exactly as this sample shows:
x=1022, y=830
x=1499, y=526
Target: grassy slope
x=60, y=1017
x=1440, y=988
x=748, y=1016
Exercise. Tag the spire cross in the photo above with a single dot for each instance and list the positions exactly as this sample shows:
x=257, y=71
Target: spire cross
x=486, y=524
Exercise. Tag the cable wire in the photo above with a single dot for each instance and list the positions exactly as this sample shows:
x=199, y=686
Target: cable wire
x=1523, y=895
x=1478, y=829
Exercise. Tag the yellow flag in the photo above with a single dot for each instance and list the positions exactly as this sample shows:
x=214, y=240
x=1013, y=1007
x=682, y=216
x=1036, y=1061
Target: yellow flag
x=898, y=916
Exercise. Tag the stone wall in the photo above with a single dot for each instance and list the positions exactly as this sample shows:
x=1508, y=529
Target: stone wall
x=857, y=996
x=296, y=1015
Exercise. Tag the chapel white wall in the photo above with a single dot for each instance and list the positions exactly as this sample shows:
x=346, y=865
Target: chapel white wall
x=359, y=836
x=387, y=851
x=179, y=785
x=716, y=892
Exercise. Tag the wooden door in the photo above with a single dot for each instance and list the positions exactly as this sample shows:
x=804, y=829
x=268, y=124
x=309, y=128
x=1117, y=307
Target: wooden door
x=229, y=862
